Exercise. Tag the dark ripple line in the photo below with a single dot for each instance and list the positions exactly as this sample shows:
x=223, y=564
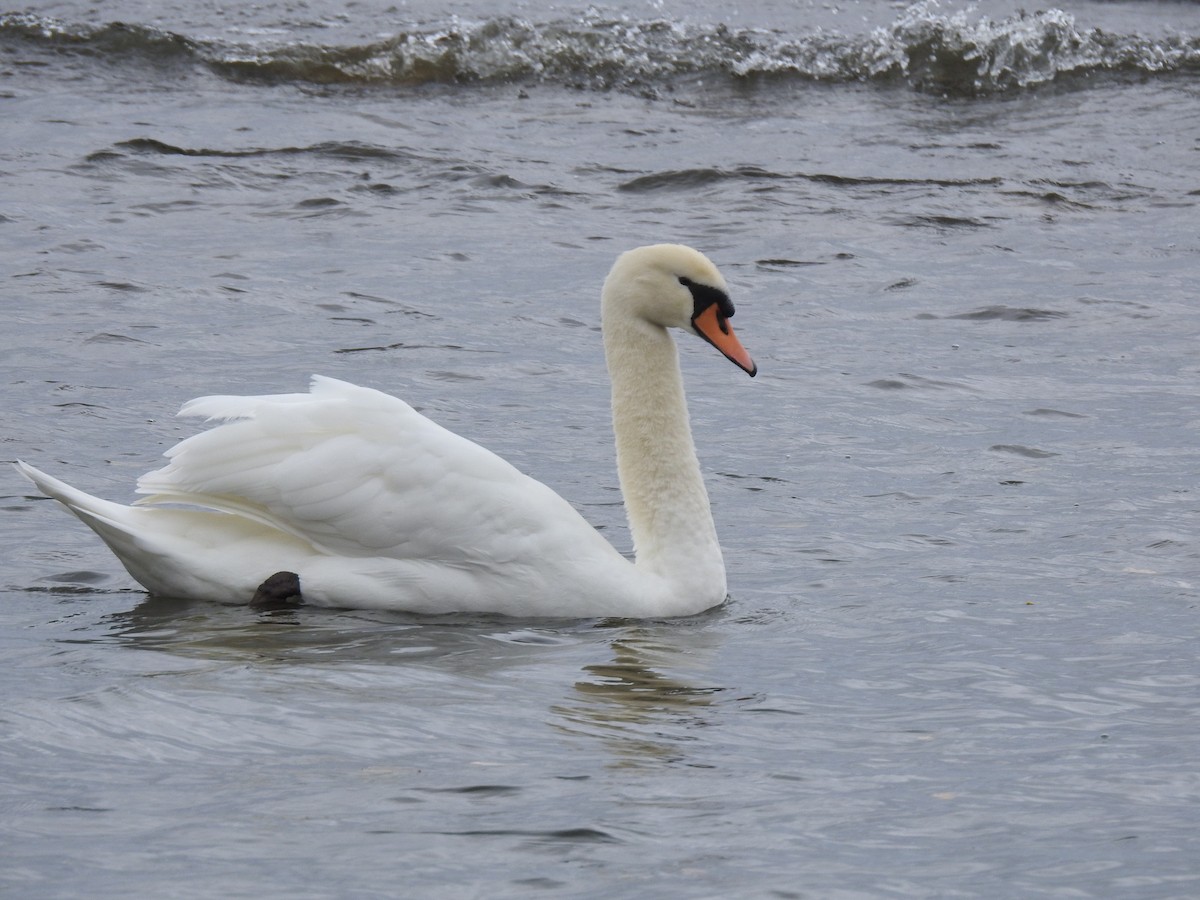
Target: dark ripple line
x=346, y=150
x=1010, y=314
x=681, y=179
x=572, y=835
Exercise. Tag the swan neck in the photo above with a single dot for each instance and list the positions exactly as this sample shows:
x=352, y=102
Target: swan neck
x=665, y=499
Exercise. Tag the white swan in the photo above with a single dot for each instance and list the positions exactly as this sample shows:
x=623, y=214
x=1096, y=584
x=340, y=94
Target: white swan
x=357, y=500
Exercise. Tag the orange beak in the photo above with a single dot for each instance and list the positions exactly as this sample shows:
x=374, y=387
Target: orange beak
x=715, y=328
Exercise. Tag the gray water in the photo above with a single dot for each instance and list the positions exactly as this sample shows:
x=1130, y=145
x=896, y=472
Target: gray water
x=958, y=505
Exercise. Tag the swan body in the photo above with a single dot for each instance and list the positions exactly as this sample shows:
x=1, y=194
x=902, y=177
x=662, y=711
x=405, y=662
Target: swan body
x=370, y=504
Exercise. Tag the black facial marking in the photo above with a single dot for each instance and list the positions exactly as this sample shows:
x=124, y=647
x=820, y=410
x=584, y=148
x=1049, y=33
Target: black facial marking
x=704, y=296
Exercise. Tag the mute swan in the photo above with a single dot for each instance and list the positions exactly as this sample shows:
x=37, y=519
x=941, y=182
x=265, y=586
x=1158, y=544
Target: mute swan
x=348, y=497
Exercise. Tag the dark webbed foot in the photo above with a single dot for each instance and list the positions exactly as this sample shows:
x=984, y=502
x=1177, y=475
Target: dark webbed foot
x=280, y=591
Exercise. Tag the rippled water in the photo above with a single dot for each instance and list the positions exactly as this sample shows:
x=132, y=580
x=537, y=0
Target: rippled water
x=959, y=504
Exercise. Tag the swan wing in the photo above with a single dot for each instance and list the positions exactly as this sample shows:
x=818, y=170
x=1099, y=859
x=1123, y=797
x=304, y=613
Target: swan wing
x=360, y=473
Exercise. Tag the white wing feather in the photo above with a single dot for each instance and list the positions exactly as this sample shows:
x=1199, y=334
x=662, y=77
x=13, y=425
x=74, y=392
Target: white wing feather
x=357, y=472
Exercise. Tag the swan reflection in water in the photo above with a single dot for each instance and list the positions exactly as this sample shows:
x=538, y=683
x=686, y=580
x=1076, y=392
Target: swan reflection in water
x=640, y=694
x=642, y=706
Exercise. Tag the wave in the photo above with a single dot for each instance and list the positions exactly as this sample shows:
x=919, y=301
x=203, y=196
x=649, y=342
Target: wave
x=949, y=54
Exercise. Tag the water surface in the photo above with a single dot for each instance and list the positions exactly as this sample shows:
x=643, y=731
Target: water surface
x=958, y=505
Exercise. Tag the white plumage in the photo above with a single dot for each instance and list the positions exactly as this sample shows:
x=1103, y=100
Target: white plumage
x=373, y=505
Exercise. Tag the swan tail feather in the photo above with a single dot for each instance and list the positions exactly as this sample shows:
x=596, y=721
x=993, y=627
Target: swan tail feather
x=142, y=539
x=117, y=525
x=81, y=503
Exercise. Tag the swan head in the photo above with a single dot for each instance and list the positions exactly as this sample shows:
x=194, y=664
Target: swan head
x=674, y=286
